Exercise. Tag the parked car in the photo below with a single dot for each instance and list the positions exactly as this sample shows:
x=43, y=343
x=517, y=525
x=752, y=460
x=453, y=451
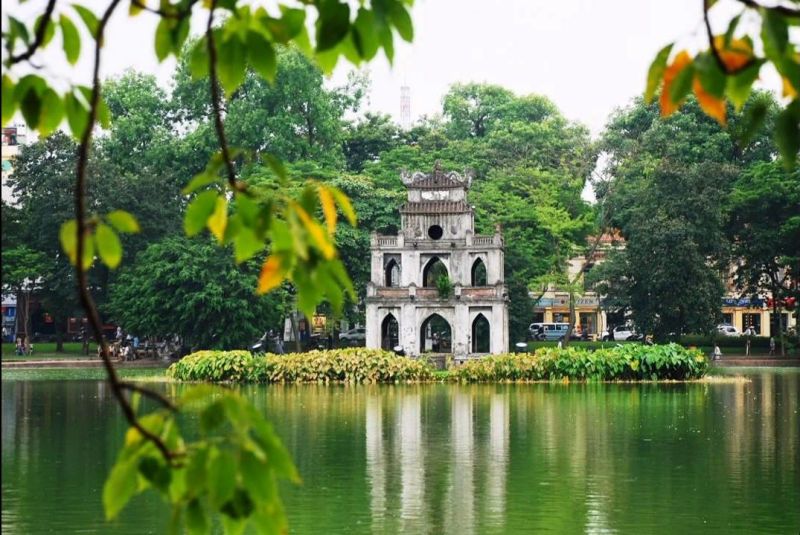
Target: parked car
x=358, y=334
x=622, y=332
x=548, y=331
x=725, y=329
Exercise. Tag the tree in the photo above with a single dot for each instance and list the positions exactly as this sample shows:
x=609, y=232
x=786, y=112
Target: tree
x=472, y=110
x=368, y=138
x=185, y=287
x=22, y=269
x=763, y=222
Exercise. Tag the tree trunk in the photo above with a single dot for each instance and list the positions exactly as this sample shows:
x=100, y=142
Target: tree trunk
x=295, y=333
x=59, y=334
x=26, y=318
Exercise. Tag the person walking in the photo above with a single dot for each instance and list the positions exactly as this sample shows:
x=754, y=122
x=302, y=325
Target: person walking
x=747, y=333
x=771, y=346
x=717, y=352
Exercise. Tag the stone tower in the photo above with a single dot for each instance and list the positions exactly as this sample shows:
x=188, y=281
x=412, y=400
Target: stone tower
x=436, y=287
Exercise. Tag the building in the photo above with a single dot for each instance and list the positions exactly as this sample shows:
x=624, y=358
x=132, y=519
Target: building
x=9, y=317
x=437, y=287
x=13, y=139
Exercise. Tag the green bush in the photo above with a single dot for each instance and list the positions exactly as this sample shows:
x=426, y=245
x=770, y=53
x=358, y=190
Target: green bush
x=622, y=362
x=352, y=365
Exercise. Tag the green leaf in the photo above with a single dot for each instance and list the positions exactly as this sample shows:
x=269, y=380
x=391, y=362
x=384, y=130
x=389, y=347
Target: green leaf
x=68, y=236
x=198, y=60
x=787, y=134
x=232, y=64
x=71, y=39
x=120, y=487
x=711, y=76
x=196, y=518
x=774, y=34
x=8, y=101
x=17, y=29
x=258, y=478
x=656, y=72
x=49, y=31
x=732, y=25
x=123, y=221
x=261, y=56
x=163, y=39
x=753, y=120
x=246, y=244
x=740, y=84
x=387, y=39
x=682, y=84
x=199, y=180
x=365, y=37
x=333, y=24
x=77, y=115
x=212, y=417
x=198, y=212
x=103, y=113
x=108, y=245
x=401, y=20
x=52, y=112
x=221, y=478
x=158, y=474
x=219, y=219
x=197, y=472
x=88, y=17
x=31, y=107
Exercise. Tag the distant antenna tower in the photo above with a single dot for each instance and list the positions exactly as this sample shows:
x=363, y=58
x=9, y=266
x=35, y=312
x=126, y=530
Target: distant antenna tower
x=405, y=106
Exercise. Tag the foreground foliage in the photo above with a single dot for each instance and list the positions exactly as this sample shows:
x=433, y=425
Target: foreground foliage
x=352, y=365
x=624, y=362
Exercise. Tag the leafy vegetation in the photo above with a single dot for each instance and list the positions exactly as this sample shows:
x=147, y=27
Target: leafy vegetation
x=353, y=365
x=622, y=362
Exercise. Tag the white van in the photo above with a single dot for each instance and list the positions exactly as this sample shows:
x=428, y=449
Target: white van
x=548, y=331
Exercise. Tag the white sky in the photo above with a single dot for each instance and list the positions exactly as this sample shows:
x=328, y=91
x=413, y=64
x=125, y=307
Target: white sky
x=588, y=56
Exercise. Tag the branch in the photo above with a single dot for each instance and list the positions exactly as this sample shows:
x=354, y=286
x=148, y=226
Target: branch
x=215, y=101
x=125, y=385
x=782, y=10
x=39, y=37
x=177, y=15
x=713, y=46
x=80, y=215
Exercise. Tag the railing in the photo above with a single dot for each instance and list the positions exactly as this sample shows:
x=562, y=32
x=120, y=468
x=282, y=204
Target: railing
x=392, y=293
x=388, y=240
x=483, y=240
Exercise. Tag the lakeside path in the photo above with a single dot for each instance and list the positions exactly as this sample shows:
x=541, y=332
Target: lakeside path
x=81, y=363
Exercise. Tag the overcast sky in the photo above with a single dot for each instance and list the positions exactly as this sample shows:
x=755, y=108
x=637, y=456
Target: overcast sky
x=588, y=56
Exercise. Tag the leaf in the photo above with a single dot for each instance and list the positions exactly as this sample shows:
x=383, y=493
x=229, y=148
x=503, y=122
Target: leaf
x=77, y=115
x=198, y=212
x=656, y=72
x=317, y=233
x=219, y=218
x=328, y=208
x=103, y=113
x=344, y=203
x=246, y=244
x=199, y=180
x=68, y=236
x=108, y=245
x=212, y=417
x=31, y=107
x=709, y=74
x=49, y=31
x=774, y=34
x=753, y=120
x=333, y=24
x=258, y=478
x=88, y=251
x=740, y=84
x=232, y=64
x=401, y=20
x=787, y=134
x=71, y=39
x=711, y=105
x=51, y=114
x=163, y=39
x=272, y=274
x=365, y=38
x=198, y=59
x=261, y=56
x=156, y=473
x=735, y=53
x=88, y=17
x=221, y=478
x=120, y=487
x=8, y=101
x=196, y=518
x=123, y=221
x=669, y=102
x=17, y=28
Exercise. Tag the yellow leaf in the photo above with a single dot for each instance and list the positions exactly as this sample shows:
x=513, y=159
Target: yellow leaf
x=736, y=55
x=788, y=89
x=272, y=273
x=713, y=106
x=345, y=205
x=317, y=232
x=678, y=64
x=132, y=436
x=328, y=208
x=219, y=219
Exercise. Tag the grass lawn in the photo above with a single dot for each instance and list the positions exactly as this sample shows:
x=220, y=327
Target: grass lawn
x=46, y=351
x=51, y=374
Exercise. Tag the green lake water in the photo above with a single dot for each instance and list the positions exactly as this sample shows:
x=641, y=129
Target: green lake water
x=549, y=458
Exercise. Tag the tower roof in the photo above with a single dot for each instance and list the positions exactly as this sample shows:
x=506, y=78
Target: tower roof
x=438, y=179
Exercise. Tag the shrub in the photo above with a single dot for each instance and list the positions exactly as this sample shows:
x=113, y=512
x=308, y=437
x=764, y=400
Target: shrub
x=622, y=362
x=352, y=365
x=445, y=286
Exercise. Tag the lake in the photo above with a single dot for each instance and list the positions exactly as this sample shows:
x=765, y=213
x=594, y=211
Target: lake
x=451, y=459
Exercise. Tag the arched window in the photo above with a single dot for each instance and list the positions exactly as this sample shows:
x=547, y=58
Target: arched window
x=435, y=335
x=392, y=273
x=390, y=332
x=481, y=335
x=479, y=273
x=434, y=269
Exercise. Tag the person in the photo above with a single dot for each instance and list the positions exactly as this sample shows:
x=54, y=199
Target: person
x=278, y=344
x=747, y=333
x=772, y=346
x=119, y=333
x=561, y=343
x=717, y=352
x=20, y=348
x=435, y=342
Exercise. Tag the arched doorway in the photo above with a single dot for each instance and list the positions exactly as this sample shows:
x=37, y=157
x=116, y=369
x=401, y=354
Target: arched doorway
x=481, y=335
x=390, y=332
x=392, y=273
x=435, y=335
x=434, y=269
x=479, y=277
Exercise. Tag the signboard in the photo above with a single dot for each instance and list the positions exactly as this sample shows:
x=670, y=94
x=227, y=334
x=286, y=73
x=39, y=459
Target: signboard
x=745, y=302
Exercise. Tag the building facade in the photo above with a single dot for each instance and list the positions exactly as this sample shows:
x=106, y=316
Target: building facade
x=436, y=287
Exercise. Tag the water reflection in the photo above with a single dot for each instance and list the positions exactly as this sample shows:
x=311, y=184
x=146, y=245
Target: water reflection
x=453, y=459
